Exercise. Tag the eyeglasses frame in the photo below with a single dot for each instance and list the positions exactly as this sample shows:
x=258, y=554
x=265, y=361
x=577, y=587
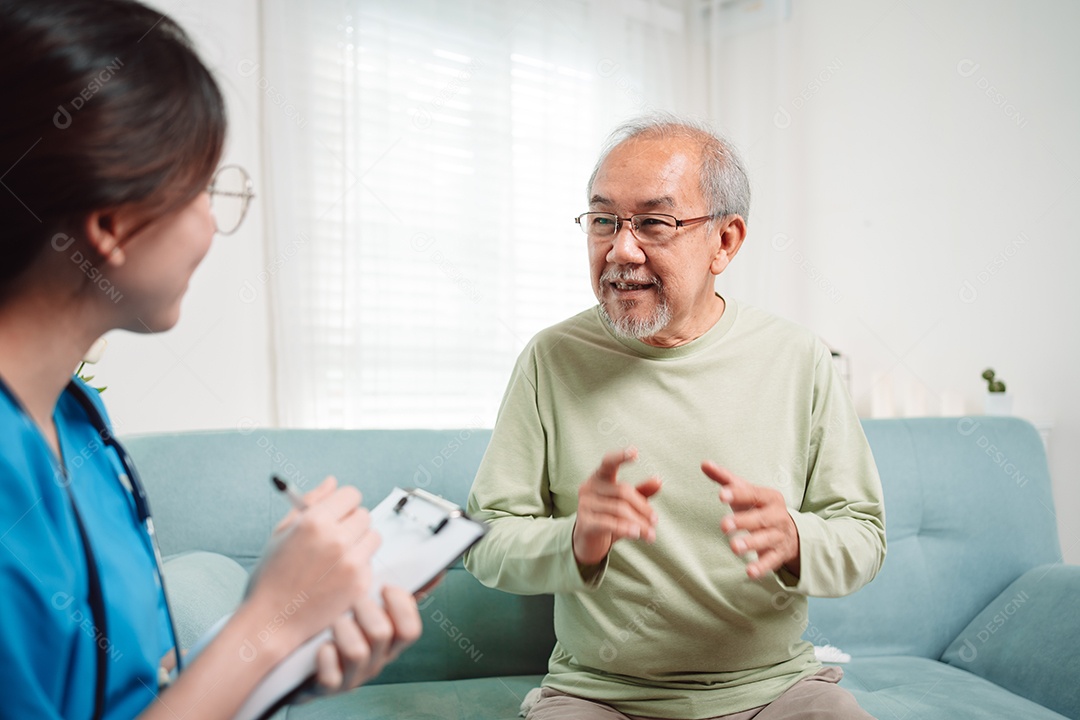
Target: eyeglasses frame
x=630, y=220
x=247, y=195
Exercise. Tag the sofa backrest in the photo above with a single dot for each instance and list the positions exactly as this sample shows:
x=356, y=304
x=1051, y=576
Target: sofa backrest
x=211, y=491
x=968, y=508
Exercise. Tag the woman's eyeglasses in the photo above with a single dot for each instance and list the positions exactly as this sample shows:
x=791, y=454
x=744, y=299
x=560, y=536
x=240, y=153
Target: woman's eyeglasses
x=230, y=195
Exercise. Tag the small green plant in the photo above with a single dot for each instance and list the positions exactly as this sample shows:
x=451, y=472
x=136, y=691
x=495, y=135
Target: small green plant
x=994, y=386
x=92, y=356
x=87, y=378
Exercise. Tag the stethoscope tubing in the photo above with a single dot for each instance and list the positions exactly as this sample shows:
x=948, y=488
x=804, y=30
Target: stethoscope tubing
x=135, y=486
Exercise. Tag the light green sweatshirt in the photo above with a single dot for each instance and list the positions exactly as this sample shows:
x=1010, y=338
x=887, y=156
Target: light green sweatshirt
x=677, y=629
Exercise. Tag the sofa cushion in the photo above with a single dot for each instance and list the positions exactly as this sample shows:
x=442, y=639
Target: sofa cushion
x=914, y=687
x=471, y=630
x=491, y=698
x=202, y=588
x=1026, y=639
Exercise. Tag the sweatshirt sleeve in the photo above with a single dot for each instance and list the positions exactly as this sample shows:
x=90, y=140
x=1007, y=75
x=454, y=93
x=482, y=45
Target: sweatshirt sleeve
x=526, y=550
x=841, y=521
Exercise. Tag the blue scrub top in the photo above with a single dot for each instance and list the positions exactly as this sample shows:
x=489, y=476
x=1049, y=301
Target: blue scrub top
x=48, y=659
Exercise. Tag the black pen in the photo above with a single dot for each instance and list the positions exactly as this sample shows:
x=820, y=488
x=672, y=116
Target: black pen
x=295, y=500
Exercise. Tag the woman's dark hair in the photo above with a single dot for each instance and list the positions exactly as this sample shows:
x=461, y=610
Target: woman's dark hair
x=107, y=105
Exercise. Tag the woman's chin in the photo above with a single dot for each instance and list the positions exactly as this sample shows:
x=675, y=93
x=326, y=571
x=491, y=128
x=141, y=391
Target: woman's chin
x=158, y=322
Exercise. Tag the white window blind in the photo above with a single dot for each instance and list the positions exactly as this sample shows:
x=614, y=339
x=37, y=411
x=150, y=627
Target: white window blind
x=425, y=161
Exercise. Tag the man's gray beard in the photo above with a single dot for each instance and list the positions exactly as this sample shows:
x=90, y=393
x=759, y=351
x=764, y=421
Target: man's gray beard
x=635, y=328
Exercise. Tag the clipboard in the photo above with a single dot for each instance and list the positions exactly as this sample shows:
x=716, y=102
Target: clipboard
x=422, y=535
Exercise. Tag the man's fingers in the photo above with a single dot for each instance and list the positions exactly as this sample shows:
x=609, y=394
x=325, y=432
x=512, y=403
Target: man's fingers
x=760, y=541
x=625, y=501
x=719, y=474
x=620, y=528
x=768, y=561
x=758, y=524
x=773, y=547
x=624, y=529
x=609, y=511
x=636, y=531
x=753, y=519
x=733, y=489
x=649, y=487
x=741, y=495
x=629, y=507
x=609, y=466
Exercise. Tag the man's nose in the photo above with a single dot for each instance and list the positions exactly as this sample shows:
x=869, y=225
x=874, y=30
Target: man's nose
x=625, y=249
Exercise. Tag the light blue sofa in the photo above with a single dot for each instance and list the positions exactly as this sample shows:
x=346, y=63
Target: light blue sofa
x=972, y=616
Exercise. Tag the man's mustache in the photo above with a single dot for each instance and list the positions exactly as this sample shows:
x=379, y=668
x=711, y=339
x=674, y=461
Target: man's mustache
x=625, y=275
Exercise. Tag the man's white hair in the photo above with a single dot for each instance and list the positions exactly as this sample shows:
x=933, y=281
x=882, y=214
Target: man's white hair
x=724, y=181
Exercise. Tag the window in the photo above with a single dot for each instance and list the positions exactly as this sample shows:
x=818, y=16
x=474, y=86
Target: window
x=426, y=161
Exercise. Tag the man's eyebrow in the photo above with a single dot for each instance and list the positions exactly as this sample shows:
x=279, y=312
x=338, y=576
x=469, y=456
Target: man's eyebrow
x=664, y=201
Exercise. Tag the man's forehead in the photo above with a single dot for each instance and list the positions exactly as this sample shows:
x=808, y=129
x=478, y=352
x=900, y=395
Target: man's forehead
x=649, y=173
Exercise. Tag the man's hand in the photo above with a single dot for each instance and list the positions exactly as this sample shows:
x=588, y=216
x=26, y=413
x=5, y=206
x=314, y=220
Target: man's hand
x=608, y=511
x=763, y=513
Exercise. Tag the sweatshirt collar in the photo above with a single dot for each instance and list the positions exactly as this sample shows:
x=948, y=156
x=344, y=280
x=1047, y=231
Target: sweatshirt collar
x=712, y=336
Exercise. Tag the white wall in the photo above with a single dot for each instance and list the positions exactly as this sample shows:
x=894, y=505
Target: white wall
x=213, y=369
x=917, y=174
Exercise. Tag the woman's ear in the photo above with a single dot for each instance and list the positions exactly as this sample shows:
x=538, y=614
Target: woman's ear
x=105, y=231
x=732, y=232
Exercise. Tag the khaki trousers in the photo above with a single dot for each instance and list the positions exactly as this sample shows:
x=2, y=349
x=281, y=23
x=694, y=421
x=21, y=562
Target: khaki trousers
x=817, y=697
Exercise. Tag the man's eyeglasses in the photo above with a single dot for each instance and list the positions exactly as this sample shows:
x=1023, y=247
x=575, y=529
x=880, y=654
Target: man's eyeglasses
x=648, y=228
x=230, y=195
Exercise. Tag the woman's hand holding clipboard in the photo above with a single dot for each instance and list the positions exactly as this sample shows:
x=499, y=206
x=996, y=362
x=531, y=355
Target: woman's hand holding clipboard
x=422, y=536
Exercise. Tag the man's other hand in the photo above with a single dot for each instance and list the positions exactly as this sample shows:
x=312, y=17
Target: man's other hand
x=609, y=511
x=763, y=513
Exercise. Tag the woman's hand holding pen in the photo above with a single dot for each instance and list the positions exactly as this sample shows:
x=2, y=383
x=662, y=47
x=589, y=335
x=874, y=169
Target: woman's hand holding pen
x=324, y=551
x=317, y=564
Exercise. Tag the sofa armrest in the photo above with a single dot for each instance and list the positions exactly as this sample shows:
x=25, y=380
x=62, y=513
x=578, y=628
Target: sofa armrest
x=202, y=588
x=1028, y=639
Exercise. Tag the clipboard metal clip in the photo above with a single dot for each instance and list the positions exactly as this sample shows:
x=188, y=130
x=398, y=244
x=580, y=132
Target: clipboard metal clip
x=449, y=509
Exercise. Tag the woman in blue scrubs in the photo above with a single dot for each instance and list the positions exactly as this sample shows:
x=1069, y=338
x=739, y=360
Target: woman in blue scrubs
x=110, y=134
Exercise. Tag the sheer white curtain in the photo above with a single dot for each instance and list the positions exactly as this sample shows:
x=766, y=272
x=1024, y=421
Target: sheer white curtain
x=424, y=161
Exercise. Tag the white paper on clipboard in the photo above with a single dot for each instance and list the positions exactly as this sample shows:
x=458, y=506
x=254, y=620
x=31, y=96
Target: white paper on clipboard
x=422, y=535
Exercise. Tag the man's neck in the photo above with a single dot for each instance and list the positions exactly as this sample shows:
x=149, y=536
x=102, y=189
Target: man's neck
x=694, y=327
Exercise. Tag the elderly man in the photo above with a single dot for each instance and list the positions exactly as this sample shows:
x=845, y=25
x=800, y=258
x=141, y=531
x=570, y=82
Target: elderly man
x=671, y=602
